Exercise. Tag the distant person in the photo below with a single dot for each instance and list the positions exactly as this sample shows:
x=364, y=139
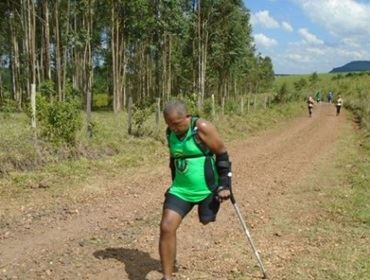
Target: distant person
x=310, y=103
x=339, y=104
x=318, y=97
x=330, y=97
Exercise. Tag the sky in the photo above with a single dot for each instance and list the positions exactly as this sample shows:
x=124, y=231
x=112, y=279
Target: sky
x=306, y=36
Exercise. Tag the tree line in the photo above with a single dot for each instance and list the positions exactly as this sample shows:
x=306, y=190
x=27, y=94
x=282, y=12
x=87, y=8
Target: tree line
x=142, y=49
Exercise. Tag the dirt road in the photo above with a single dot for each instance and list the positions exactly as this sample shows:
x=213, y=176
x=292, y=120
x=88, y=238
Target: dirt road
x=112, y=233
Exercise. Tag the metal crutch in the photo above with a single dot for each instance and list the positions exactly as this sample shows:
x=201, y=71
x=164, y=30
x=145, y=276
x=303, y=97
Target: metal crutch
x=246, y=231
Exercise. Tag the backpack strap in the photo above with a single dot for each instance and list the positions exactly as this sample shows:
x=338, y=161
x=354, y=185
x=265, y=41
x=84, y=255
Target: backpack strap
x=201, y=145
x=168, y=134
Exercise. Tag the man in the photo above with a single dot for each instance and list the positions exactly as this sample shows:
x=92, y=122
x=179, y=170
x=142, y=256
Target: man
x=310, y=103
x=200, y=171
x=339, y=104
x=330, y=97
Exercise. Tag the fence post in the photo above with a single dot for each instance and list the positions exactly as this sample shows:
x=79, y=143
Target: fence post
x=129, y=116
x=242, y=105
x=223, y=105
x=265, y=103
x=158, y=113
x=213, y=106
x=248, y=102
x=255, y=102
x=33, y=106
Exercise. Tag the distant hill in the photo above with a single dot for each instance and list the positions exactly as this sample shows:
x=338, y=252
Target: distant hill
x=353, y=66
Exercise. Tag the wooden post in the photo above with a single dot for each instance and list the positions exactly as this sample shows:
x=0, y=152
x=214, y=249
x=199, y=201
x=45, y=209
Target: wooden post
x=223, y=105
x=265, y=103
x=158, y=113
x=248, y=103
x=129, y=116
x=242, y=105
x=213, y=106
x=255, y=102
x=33, y=106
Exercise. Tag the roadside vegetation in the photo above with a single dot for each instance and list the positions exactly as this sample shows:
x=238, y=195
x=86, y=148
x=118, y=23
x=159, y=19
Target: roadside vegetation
x=26, y=164
x=345, y=230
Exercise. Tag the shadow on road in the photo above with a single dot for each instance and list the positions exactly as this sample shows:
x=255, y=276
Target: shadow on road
x=137, y=263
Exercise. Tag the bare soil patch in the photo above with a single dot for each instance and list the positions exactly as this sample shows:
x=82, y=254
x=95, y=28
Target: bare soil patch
x=111, y=230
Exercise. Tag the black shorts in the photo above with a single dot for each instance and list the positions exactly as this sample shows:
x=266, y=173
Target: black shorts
x=207, y=208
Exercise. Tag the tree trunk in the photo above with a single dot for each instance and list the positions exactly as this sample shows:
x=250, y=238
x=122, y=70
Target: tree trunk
x=89, y=66
x=26, y=46
x=169, y=75
x=15, y=64
x=65, y=56
x=57, y=52
x=118, y=60
x=200, y=70
x=114, y=58
x=204, y=63
x=124, y=72
x=164, y=66
x=32, y=27
x=1, y=90
x=46, y=59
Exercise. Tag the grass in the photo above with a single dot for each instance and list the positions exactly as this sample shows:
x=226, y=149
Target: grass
x=110, y=150
x=341, y=235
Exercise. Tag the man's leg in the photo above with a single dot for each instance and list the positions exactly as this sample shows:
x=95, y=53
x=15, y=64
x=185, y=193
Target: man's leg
x=208, y=209
x=167, y=242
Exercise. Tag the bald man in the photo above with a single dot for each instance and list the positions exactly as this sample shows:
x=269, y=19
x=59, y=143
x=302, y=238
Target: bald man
x=200, y=169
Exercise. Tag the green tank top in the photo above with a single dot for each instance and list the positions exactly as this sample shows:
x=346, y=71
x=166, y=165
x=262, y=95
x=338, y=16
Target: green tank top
x=195, y=173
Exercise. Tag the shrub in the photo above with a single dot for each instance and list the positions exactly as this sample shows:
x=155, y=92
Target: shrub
x=141, y=113
x=46, y=88
x=207, y=108
x=9, y=106
x=100, y=100
x=191, y=101
x=59, y=121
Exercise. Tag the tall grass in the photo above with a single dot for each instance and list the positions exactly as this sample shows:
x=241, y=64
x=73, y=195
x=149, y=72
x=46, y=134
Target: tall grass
x=111, y=147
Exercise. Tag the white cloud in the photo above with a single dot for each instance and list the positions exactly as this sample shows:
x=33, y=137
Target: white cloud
x=304, y=58
x=263, y=18
x=349, y=54
x=299, y=58
x=286, y=26
x=309, y=38
x=351, y=43
x=348, y=23
x=340, y=17
x=316, y=51
x=264, y=41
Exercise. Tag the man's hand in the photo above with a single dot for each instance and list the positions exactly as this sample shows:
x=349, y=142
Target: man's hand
x=223, y=194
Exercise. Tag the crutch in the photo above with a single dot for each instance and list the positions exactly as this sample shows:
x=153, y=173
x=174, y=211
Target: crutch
x=246, y=231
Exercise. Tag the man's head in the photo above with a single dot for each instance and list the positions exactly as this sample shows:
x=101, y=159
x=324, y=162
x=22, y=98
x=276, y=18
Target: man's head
x=176, y=117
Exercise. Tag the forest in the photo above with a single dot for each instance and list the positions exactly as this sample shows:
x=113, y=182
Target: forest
x=103, y=52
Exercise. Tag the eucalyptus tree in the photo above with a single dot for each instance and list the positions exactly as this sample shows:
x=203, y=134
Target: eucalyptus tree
x=13, y=11
x=4, y=47
x=230, y=44
x=265, y=72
